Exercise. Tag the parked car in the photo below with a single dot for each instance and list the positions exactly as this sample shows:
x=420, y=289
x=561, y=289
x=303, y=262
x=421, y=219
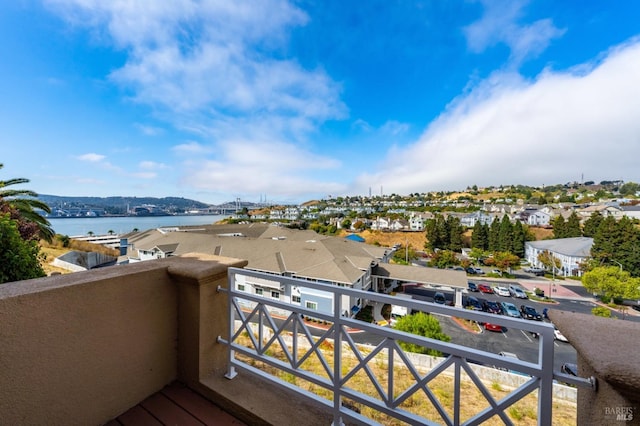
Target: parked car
x=529, y=312
x=496, y=271
x=472, y=286
x=471, y=271
x=559, y=336
x=510, y=310
x=479, y=271
x=507, y=355
x=491, y=307
x=501, y=291
x=439, y=298
x=485, y=288
x=517, y=292
x=492, y=327
x=534, y=271
x=474, y=303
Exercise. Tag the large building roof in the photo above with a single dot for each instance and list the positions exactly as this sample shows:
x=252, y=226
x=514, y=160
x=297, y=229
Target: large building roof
x=270, y=248
x=575, y=247
x=419, y=274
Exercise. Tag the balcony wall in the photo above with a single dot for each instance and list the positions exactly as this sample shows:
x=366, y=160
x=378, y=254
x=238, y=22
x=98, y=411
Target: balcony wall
x=83, y=348
x=608, y=351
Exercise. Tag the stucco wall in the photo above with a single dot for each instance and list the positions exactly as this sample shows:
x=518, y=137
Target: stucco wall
x=82, y=348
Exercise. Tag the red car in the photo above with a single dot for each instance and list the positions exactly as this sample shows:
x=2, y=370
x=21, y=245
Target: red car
x=484, y=288
x=492, y=327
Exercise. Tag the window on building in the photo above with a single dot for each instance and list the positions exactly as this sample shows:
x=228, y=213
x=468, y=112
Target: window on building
x=295, y=299
x=259, y=291
x=275, y=294
x=311, y=305
x=240, y=287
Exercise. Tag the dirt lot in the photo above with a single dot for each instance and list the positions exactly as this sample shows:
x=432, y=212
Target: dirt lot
x=415, y=240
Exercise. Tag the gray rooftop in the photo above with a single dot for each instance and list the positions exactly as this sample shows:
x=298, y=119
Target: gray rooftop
x=575, y=247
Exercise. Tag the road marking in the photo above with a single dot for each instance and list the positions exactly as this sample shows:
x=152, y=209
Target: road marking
x=525, y=335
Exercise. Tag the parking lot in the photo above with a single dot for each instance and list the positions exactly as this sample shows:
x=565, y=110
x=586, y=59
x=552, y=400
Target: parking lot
x=520, y=342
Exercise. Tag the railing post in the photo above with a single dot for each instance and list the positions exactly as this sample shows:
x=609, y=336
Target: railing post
x=545, y=391
x=337, y=364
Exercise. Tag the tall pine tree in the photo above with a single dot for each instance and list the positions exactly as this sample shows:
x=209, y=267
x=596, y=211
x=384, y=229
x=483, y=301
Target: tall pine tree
x=572, y=227
x=505, y=236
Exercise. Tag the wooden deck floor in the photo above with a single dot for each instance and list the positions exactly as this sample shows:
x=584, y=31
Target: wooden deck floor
x=176, y=405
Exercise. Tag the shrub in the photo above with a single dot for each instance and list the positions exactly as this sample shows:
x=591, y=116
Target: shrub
x=601, y=311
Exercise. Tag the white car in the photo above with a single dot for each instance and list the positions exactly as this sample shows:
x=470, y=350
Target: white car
x=559, y=336
x=517, y=292
x=501, y=291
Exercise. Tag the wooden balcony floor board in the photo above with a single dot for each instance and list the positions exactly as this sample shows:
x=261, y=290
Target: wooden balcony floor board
x=176, y=405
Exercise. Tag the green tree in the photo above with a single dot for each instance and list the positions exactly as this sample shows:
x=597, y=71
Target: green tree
x=443, y=258
x=439, y=232
x=505, y=235
x=549, y=261
x=404, y=255
x=479, y=237
x=612, y=282
x=455, y=233
x=505, y=260
x=629, y=188
x=19, y=259
x=476, y=254
x=360, y=225
x=572, y=227
x=559, y=227
x=424, y=325
x=591, y=225
x=346, y=224
x=616, y=242
x=21, y=204
x=494, y=235
x=519, y=238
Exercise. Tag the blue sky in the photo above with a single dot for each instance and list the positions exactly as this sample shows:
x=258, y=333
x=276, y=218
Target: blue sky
x=294, y=100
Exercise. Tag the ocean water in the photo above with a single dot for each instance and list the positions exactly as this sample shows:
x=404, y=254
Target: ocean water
x=78, y=226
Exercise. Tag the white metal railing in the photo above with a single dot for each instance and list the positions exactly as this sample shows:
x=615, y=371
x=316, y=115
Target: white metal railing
x=254, y=318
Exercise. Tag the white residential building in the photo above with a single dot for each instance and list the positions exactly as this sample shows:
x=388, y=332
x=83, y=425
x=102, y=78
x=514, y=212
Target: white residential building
x=571, y=252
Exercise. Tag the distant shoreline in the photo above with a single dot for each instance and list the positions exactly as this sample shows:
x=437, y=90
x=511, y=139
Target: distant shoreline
x=107, y=216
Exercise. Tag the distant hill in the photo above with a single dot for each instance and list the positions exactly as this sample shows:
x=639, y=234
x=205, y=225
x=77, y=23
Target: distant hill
x=119, y=205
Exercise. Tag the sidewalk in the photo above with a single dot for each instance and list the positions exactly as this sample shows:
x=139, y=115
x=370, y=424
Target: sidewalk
x=562, y=290
x=554, y=290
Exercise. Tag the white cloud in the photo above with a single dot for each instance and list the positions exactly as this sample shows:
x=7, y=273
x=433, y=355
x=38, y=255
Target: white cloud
x=499, y=24
x=91, y=157
x=220, y=69
x=152, y=165
x=272, y=167
x=189, y=55
x=144, y=175
x=191, y=148
x=508, y=131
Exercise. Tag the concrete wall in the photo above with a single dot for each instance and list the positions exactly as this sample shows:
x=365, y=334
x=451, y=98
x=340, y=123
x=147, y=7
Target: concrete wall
x=82, y=348
x=607, y=350
x=77, y=261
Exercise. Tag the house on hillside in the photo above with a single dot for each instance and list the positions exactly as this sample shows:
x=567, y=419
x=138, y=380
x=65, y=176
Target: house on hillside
x=380, y=224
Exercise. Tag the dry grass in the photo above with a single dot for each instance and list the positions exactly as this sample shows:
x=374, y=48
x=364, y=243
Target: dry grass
x=416, y=240
x=524, y=412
